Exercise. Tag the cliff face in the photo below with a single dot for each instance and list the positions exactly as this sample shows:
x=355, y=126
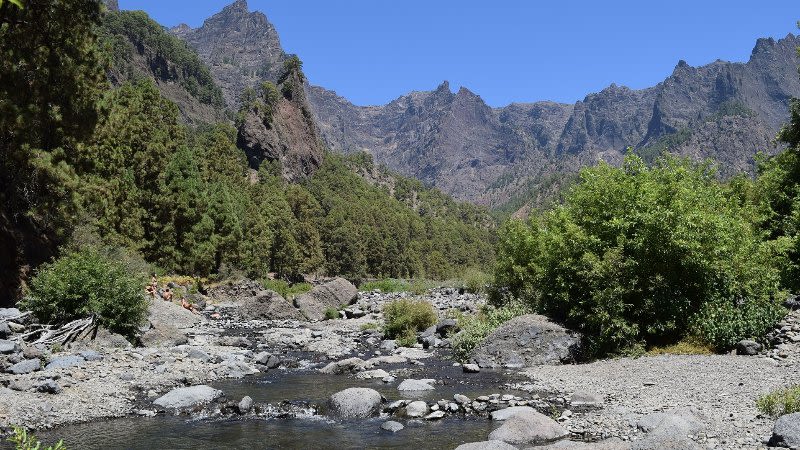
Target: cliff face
x=282, y=131
x=242, y=48
x=726, y=111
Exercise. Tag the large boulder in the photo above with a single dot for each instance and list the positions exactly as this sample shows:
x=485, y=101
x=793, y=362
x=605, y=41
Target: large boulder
x=786, y=432
x=414, y=385
x=25, y=366
x=507, y=413
x=268, y=305
x=333, y=294
x=99, y=338
x=65, y=362
x=188, y=397
x=355, y=403
x=527, y=340
x=677, y=421
x=167, y=322
x=529, y=427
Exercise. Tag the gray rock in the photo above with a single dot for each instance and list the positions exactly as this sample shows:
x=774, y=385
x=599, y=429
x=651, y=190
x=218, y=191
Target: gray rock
x=414, y=385
x=471, y=368
x=748, y=348
x=355, y=403
x=188, y=397
x=128, y=376
x=349, y=365
x=392, y=426
x=529, y=427
x=25, y=366
x=416, y=409
x=507, y=413
x=331, y=295
x=9, y=313
x=7, y=346
x=4, y=330
x=486, y=445
x=16, y=327
x=527, y=340
x=91, y=355
x=446, y=326
x=268, y=305
x=786, y=432
x=163, y=335
x=389, y=345
x=430, y=331
x=608, y=444
x=100, y=339
x=461, y=399
x=678, y=421
x=369, y=374
x=20, y=385
x=436, y=415
x=64, y=362
x=585, y=400
x=196, y=353
x=235, y=341
x=663, y=441
x=49, y=387
x=245, y=404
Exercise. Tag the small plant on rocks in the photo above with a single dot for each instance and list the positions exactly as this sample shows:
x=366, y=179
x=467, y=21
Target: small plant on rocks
x=331, y=313
x=780, y=402
x=24, y=441
x=404, y=317
x=475, y=328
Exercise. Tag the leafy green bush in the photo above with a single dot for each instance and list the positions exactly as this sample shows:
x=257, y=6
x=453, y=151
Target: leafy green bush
x=476, y=281
x=85, y=283
x=385, y=285
x=635, y=253
x=780, y=402
x=287, y=291
x=331, y=313
x=475, y=328
x=404, y=317
x=24, y=441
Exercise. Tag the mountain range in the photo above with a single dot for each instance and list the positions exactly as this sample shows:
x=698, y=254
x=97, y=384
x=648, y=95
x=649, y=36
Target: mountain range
x=518, y=155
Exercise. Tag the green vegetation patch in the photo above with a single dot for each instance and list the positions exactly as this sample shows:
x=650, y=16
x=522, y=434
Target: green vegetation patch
x=285, y=289
x=780, y=402
x=475, y=328
x=405, y=317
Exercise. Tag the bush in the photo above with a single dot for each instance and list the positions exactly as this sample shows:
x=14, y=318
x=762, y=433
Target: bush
x=475, y=328
x=286, y=290
x=331, y=313
x=85, y=283
x=780, y=402
x=476, y=281
x=634, y=255
x=405, y=317
x=24, y=441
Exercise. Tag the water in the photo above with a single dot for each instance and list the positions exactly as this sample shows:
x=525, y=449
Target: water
x=318, y=432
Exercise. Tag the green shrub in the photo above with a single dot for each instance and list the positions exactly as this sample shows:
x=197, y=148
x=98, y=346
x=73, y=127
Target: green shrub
x=286, y=290
x=405, y=317
x=85, y=283
x=369, y=326
x=635, y=253
x=475, y=328
x=476, y=281
x=385, y=285
x=331, y=313
x=407, y=338
x=24, y=441
x=722, y=324
x=780, y=402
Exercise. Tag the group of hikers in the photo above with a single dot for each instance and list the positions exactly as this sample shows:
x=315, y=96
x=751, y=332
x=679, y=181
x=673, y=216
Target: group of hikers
x=166, y=294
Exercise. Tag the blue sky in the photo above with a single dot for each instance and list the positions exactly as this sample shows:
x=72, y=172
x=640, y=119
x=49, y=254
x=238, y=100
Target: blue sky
x=372, y=51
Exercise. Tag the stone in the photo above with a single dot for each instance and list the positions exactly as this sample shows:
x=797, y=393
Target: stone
x=163, y=335
x=416, y=409
x=235, y=341
x=196, y=353
x=507, y=413
x=331, y=295
x=665, y=441
x=349, y=365
x=7, y=346
x=4, y=330
x=49, y=387
x=389, y=345
x=91, y=355
x=747, y=347
x=268, y=305
x=786, y=431
x=529, y=427
x=15, y=327
x=9, y=313
x=608, y=444
x=446, y=327
x=525, y=341
x=25, y=366
x=471, y=368
x=162, y=313
x=678, y=421
x=414, y=385
x=355, y=403
x=392, y=426
x=20, y=385
x=461, y=399
x=64, y=362
x=436, y=415
x=486, y=445
x=369, y=374
x=188, y=397
x=245, y=404
x=585, y=400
